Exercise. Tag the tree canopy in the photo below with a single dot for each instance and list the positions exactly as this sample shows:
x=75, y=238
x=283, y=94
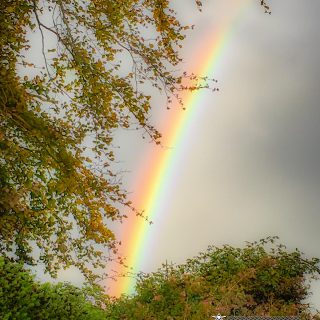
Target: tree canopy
x=58, y=189
x=261, y=279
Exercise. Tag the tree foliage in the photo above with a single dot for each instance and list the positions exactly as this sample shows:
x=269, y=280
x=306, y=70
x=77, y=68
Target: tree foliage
x=58, y=190
x=262, y=278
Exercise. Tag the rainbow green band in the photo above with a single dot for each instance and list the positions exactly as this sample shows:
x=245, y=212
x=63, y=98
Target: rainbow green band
x=156, y=175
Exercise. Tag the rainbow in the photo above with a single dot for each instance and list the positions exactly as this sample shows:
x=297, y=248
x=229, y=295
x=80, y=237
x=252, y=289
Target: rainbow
x=156, y=174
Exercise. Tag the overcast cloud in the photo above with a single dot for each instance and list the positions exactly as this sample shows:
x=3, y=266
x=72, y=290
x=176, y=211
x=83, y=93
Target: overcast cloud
x=252, y=163
x=252, y=168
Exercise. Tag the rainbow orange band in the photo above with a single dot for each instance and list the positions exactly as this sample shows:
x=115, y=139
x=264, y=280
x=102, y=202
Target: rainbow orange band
x=157, y=169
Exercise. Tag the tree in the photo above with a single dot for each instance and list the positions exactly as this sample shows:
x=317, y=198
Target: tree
x=263, y=278
x=58, y=191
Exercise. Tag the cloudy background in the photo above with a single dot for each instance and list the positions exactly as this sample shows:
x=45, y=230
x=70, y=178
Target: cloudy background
x=251, y=167
x=250, y=162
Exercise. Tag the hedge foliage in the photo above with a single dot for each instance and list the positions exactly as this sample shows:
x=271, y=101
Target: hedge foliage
x=262, y=278
x=21, y=297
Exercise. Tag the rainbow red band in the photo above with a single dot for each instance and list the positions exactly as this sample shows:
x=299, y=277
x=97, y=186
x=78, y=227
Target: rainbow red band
x=157, y=173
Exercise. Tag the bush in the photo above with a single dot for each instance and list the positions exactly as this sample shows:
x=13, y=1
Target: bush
x=21, y=297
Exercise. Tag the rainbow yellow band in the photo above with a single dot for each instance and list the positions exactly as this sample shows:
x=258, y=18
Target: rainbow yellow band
x=157, y=173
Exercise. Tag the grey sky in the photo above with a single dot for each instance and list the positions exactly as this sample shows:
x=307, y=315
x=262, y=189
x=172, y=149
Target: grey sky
x=252, y=168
